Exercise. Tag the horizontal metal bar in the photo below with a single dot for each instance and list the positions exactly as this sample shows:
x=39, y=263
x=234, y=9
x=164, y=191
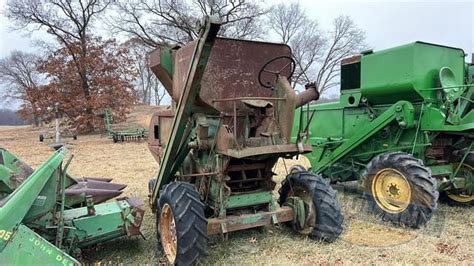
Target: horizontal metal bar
x=245, y=180
x=248, y=98
x=249, y=199
x=240, y=167
x=246, y=221
x=199, y=174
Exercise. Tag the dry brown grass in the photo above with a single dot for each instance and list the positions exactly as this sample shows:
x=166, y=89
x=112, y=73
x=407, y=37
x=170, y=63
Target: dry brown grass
x=448, y=239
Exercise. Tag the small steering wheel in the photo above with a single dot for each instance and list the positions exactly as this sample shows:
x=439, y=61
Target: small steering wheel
x=284, y=60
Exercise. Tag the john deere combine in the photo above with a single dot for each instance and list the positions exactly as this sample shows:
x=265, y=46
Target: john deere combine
x=403, y=127
x=41, y=222
x=231, y=122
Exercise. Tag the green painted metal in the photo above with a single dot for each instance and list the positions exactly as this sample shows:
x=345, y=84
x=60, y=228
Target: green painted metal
x=249, y=199
x=28, y=248
x=192, y=86
x=39, y=203
x=411, y=98
x=121, y=135
x=298, y=206
x=413, y=68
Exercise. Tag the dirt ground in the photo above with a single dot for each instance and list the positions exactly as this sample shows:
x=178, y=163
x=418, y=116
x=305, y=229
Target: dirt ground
x=447, y=239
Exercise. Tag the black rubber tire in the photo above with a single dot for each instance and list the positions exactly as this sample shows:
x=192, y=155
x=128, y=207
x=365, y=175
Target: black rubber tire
x=41, y=137
x=191, y=224
x=424, y=200
x=297, y=168
x=444, y=197
x=329, y=216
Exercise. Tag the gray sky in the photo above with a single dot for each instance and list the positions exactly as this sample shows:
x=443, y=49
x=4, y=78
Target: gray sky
x=386, y=23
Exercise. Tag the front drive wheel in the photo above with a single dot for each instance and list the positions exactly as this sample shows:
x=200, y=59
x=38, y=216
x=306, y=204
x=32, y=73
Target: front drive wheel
x=400, y=189
x=322, y=212
x=181, y=224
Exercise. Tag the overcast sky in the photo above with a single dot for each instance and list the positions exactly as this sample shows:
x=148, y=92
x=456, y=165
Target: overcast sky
x=386, y=23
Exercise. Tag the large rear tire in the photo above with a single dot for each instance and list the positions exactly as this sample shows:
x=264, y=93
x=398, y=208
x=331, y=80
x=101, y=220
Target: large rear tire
x=323, y=219
x=400, y=189
x=181, y=224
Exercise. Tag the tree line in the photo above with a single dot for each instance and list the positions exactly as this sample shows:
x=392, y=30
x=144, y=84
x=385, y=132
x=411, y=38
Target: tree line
x=84, y=73
x=10, y=118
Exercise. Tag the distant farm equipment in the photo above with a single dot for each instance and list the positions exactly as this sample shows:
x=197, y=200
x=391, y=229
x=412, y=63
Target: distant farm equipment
x=47, y=217
x=230, y=123
x=121, y=134
x=60, y=129
x=403, y=127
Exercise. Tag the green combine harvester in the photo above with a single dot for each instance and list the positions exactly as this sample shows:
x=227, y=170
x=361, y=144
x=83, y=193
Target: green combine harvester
x=403, y=128
x=47, y=217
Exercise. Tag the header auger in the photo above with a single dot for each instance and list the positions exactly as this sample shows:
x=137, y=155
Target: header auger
x=230, y=122
x=403, y=127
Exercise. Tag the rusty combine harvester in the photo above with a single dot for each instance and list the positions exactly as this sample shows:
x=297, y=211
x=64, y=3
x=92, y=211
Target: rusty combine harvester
x=218, y=144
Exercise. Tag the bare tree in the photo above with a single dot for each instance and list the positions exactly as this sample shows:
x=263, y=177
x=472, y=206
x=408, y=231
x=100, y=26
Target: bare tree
x=70, y=22
x=317, y=53
x=345, y=39
x=162, y=22
x=148, y=87
x=20, y=79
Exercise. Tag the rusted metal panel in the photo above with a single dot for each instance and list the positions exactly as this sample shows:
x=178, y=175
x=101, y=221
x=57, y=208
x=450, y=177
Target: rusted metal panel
x=235, y=223
x=159, y=132
x=351, y=60
x=232, y=70
x=254, y=151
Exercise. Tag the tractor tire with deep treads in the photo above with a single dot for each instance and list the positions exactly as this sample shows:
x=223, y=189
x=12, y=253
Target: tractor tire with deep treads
x=297, y=168
x=326, y=225
x=400, y=189
x=182, y=202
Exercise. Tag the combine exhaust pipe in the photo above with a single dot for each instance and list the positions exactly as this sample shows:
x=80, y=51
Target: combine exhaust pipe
x=310, y=94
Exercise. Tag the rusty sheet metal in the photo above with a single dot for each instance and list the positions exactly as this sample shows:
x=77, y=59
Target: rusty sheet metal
x=159, y=132
x=138, y=213
x=266, y=150
x=232, y=70
x=245, y=221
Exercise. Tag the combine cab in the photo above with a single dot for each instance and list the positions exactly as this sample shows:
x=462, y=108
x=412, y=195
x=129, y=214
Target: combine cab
x=231, y=121
x=403, y=127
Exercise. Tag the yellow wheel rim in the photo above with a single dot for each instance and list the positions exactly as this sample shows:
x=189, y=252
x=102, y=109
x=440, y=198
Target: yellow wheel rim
x=391, y=190
x=169, y=240
x=462, y=198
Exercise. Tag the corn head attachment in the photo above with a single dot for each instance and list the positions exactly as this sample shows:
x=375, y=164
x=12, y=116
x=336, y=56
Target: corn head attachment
x=40, y=221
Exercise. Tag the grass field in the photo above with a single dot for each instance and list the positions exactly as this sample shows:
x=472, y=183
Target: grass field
x=447, y=239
